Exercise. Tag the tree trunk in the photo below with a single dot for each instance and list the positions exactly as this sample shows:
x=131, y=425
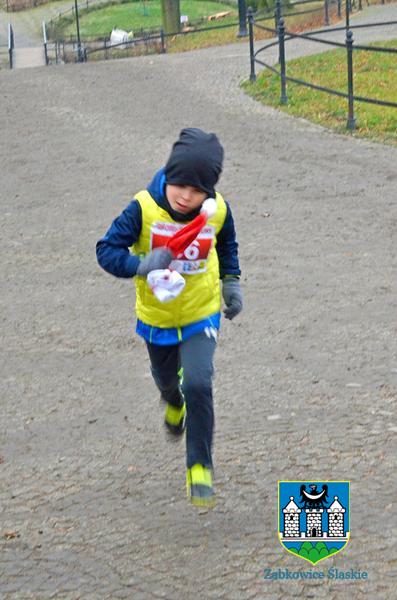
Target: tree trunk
x=171, y=14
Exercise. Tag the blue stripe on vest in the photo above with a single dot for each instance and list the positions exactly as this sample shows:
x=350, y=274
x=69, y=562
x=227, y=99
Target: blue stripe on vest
x=174, y=335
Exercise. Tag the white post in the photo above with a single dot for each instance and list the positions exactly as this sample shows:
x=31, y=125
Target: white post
x=45, y=42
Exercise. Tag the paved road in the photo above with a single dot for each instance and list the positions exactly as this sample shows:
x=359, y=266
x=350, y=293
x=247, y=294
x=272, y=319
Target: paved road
x=91, y=495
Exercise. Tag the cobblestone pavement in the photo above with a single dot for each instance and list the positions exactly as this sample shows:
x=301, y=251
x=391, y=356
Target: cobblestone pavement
x=92, y=502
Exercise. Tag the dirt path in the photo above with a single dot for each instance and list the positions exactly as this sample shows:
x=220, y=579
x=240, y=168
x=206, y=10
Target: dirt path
x=27, y=24
x=91, y=494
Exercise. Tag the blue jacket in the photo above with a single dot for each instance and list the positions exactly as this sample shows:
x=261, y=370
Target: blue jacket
x=113, y=255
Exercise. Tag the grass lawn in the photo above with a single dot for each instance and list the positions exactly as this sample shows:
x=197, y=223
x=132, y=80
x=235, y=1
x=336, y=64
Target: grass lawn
x=375, y=76
x=218, y=37
x=215, y=37
x=130, y=16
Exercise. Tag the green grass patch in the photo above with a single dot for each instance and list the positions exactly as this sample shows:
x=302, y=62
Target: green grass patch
x=205, y=39
x=133, y=16
x=375, y=76
x=219, y=37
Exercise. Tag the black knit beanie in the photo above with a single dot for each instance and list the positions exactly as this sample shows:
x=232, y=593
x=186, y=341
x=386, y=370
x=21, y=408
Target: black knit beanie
x=195, y=160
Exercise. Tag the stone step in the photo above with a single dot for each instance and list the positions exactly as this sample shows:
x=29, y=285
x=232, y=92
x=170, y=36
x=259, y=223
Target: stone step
x=28, y=57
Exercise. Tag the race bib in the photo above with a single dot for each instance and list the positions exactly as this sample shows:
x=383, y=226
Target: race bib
x=194, y=259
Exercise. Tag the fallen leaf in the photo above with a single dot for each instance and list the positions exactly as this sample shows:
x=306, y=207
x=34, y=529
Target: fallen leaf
x=10, y=535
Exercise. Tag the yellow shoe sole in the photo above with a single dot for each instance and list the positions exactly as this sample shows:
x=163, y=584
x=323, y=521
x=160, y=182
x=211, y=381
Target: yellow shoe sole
x=206, y=502
x=205, y=484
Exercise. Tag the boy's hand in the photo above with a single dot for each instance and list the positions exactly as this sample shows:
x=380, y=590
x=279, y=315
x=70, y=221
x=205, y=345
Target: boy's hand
x=159, y=258
x=232, y=296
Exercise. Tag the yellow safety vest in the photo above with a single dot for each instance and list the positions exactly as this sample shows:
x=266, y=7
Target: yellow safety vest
x=201, y=296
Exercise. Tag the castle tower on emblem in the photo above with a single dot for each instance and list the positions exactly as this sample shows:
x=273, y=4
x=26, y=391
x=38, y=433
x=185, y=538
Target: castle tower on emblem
x=291, y=519
x=336, y=514
x=313, y=522
x=321, y=522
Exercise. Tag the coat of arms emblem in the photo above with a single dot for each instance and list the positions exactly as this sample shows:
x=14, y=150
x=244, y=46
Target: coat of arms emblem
x=313, y=518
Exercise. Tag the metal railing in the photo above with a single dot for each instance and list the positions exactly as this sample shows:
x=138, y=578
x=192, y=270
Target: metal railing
x=10, y=45
x=291, y=9
x=283, y=35
x=56, y=52
x=45, y=43
x=156, y=42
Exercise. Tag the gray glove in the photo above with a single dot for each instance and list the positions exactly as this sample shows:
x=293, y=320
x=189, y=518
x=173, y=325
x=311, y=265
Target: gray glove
x=159, y=258
x=232, y=296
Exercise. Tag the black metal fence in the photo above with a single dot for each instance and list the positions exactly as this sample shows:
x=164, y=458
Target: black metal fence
x=146, y=44
x=45, y=43
x=10, y=45
x=64, y=51
x=322, y=8
x=156, y=42
x=283, y=35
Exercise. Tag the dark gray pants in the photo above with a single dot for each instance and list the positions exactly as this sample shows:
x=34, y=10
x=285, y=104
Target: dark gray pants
x=195, y=355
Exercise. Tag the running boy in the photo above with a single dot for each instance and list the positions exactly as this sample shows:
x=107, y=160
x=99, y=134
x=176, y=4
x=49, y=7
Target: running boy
x=181, y=335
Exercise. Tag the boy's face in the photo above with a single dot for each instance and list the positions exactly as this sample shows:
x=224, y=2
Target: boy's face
x=184, y=198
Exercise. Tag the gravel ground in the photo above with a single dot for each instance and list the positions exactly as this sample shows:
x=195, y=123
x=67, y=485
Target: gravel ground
x=92, y=497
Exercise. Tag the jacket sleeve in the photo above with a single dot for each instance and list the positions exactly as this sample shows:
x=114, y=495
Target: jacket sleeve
x=112, y=250
x=227, y=247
